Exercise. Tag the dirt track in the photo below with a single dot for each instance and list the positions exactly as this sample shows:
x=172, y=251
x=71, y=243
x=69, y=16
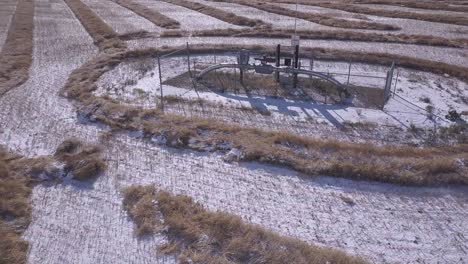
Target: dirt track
x=86, y=224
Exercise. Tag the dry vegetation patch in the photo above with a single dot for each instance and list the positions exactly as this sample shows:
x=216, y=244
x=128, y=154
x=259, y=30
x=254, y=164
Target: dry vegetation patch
x=452, y=19
x=200, y=236
x=16, y=55
x=219, y=13
x=401, y=165
x=103, y=35
x=430, y=5
x=315, y=18
x=155, y=17
x=82, y=160
x=315, y=34
x=18, y=175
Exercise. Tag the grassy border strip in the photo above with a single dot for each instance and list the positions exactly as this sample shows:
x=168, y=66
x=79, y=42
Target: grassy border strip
x=197, y=235
x=16, y=54
x=219, y=13
x=314, y=18
x=319, y=34
x=103, y=35
x=455, y=20
x=155, y=17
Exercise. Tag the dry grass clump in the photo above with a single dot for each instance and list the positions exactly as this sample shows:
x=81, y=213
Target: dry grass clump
x=103, y=35
x=83, y=161
x=315, y=18
x=18, y=176
x=401, y=165
x=140, y=204
x=16, y=55
x=199, y=236
x=13, y=249
x=15, y=211
x=219, y=13
x=452, y=19
x=155, y=17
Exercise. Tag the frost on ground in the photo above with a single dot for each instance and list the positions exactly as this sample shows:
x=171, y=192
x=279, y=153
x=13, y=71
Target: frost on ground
x=455, y=56
x=190, y=20
x=408, y=26
x=84, y=223
x=122, y=20
x=385, y=224
x=137, y=83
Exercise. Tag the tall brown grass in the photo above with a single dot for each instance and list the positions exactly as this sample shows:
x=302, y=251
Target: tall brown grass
x=219, y=13
x=315, y=18
x=200, y=236
x=16, y=54
x=155, y=17
x=448, y=19
x=394, y=164
x=103, y=35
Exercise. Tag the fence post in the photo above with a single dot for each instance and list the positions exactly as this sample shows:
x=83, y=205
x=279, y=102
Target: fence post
x=396, y=82
x=160, y=83
x=277, y=64
x=296, y=64
x=188, y=60
x=349, y=73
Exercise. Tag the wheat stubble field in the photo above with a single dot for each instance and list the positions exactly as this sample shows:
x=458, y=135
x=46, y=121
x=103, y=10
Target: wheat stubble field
x=97, y=167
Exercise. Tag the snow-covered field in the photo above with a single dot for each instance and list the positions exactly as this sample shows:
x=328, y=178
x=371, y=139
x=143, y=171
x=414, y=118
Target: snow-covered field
x=85, y=223
x=119, y=18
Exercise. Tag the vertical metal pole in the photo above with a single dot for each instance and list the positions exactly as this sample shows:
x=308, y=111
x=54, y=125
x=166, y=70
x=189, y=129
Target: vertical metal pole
x=349, y=73
x=278, y=55
x=241, y=76
x=160, y=83
x=296, y=64
x=188, y=61
x=396, y=82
